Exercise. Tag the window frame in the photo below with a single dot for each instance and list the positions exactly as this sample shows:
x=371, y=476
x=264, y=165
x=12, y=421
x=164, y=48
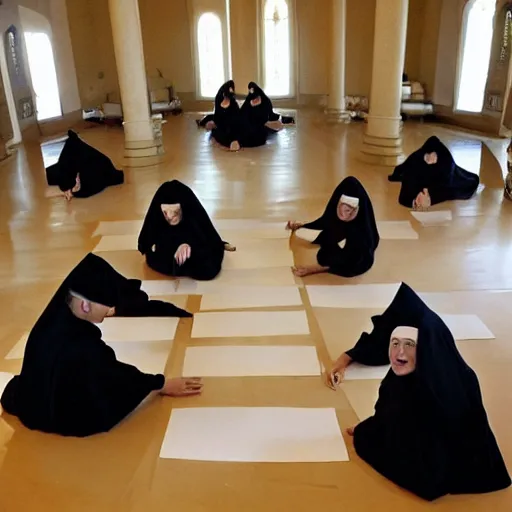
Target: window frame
x=460, y=58
x=197, y=11
x=293, y=49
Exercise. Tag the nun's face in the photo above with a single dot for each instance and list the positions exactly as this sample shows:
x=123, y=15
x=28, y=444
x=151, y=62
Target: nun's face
x=346, y=213
x=430, y=158
x=172, y=213
x=226, y=102
x=402, y=355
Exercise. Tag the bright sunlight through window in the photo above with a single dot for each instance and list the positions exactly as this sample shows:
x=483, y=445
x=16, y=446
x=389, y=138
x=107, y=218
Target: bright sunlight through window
x=44, y=75
x=277, y=48
x=211, y=54
x=476, y=53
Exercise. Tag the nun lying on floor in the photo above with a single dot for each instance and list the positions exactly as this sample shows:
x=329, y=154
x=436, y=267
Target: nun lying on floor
x=430, y=176
x=429, y=433
x=178, y=238
x=71, y=382
x=348, y=235
x=82, y=171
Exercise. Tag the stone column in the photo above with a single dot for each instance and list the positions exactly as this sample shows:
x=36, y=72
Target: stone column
x=382, y=142
x=142, y=148
x=336, y=105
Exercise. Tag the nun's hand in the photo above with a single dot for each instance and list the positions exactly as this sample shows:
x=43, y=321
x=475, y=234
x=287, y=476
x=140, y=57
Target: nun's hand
x=422, y=202
x=185, y=386
x=182, y=254
x=68, y=195
x=293, y=225
x=350, y=431
x=334, y=378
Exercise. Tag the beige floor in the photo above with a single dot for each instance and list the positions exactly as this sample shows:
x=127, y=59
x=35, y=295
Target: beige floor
x=292, y=177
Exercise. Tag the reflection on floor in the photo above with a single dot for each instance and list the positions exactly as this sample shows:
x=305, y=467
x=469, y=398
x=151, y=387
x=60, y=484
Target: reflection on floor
x=459, y=262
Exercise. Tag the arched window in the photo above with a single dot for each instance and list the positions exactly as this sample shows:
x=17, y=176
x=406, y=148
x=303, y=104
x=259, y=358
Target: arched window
x=210, y=54
x=476, y=54
x=277, y=48
x=44, y=75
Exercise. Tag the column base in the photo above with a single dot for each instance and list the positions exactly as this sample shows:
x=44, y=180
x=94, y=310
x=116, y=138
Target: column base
x=143, y=153
x=382, y=151
x=334, y=115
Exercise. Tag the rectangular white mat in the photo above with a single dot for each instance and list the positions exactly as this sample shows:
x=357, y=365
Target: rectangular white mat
x=467, y=327
x=358, y=371
x=439, y=218
x=157, y=287
x=249, y=254
x=18, y=351
x=357, y=296
x=257, y=434
x=239, y=228
x=250, y=324
x=149, y=357
x=250, y=361
x=111, y=243
x=267, y=277
x=138, y=329
x=396, y=230
x=388, y=230
x=258, y=254
x=240, y=297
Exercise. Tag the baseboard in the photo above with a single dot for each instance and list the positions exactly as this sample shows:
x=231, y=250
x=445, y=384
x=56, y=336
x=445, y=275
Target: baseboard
x=58, y=125
x=482, y=123
x=189, y=102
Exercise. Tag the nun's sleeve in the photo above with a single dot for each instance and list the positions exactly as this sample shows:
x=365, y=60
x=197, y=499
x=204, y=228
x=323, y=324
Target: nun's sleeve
x=372, y=349
x=117, y=388
x=317, y=224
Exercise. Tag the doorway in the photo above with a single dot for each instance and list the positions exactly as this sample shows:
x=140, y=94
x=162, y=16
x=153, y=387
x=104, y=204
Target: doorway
x=44, y=75
x=476, y=53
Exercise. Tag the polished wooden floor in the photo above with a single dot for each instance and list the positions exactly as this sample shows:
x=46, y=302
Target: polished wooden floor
x=292, y=177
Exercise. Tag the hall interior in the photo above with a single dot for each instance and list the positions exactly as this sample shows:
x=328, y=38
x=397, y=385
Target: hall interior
x=339, y=73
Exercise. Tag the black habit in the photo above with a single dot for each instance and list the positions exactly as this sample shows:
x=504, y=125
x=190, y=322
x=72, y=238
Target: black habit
x=95, y=169
x=445, y=180
x=159, y=241
x=71, y=382
x=231, y=126
x=259, y=115
x=360, y=234
x=429, y=433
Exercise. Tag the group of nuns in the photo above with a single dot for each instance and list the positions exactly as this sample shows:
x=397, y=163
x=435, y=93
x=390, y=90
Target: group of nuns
x=429, y=433
x=249, y=126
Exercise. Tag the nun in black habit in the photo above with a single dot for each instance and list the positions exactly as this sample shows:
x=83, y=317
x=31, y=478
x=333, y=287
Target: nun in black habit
x=232, y=130
x=372, y=349
x=349, y=236
x=178, y=237
x=82, y=171
x=430, y=176
x=132, y=300
x=429, y=433
x=259, y=111
x=208, y=121
x=71, y=382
